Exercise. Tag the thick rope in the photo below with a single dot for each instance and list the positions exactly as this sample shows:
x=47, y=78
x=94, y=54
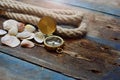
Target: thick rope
x=68, y=33
x=58, y=11
x=62, y=19
x=31, y=14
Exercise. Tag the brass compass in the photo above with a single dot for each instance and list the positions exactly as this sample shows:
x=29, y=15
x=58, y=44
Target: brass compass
x=47, y=26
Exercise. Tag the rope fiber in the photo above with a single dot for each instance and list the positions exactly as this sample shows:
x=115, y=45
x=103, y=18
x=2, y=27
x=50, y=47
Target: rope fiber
x=32, y=14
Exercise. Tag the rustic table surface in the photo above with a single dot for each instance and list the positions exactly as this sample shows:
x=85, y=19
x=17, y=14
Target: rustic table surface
x=101, y=44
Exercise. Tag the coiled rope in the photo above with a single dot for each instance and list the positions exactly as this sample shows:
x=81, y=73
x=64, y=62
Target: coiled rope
x=31, y=14
x=58, y=11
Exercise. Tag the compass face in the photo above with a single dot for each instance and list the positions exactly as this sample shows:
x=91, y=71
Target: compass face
x=53, y=41
x=47, y=25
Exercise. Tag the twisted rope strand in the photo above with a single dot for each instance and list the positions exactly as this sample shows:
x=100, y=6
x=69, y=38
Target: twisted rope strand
x=58, y=11
x=77, y=32
x=62, y=19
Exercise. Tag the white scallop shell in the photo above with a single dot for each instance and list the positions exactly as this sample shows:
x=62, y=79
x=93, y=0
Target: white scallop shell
x=9, y=40
x=27, y=44
x=30, y=28
x=39, y=37
x=8, y=24
x=31, y=37
x=13, y=31
x=2, y=32
x=24, y=35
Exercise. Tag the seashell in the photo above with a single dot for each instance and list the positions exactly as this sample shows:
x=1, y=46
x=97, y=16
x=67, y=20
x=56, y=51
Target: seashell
x=39, y=37
x=13, y=31
x=31, y=37
x=9, y=40
x=2, y=32
x=21, y=27
x=8, y=24
x=27, y=44
x=24, y=35
x=30, y=28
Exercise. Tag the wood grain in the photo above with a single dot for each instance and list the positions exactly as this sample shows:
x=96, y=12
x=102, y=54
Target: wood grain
x=102, y=60
x=104, y=6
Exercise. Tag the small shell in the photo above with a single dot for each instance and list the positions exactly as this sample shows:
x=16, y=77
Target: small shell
x=27, y=44
x=31, y=37
x=39, y=37
x=11, y=41
x=8, y=24
x=21, y=27
x=2, y=32
x=30, y=28
x=13, y=31
x=24, y=35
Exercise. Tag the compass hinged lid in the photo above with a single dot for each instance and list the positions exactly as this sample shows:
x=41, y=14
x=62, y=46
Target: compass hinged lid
x=47, y=25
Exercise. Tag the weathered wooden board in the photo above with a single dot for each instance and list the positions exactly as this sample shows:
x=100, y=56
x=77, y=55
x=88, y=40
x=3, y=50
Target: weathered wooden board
x=102, y=59
x=113, y=75
x=110, y=7
x=14, y=69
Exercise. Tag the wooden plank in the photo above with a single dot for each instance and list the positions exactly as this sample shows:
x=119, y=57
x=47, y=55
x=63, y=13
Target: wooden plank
x=71, y=66
x=113, y=75
x=105, y=32
x=100, y=6
x=14, y=69
x=63, y=64
x=109, y=43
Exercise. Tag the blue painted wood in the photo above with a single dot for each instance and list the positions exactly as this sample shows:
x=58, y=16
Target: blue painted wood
x=115, y=11
x=113, y=75
x=14, y=69
x=99, y=40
